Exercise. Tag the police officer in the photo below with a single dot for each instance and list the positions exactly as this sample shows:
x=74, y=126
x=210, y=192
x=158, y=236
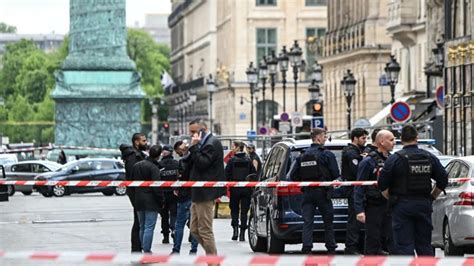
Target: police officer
x=316, y=164
x=374, y=213
x=371, y=146
x=350, y=158
x=169, y=172
x=257, y=163
x=238, y=169
x=406, y=181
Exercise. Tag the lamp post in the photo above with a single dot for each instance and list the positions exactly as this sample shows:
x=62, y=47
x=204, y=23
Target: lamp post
x=154, y=119
x=252, y=79
x=348, y=84
x=262, y=74
x=272, y=63
x=283, y=63
x=211, y=88
x=295, y=59
x=438, y=51
x=392, y=69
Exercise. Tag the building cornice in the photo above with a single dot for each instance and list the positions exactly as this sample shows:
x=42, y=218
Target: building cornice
x=355, y=54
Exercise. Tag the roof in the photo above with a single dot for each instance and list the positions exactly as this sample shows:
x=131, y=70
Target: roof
x=469, y=159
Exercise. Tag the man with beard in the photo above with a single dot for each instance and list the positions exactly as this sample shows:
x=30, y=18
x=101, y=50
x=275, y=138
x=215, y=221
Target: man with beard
x=130, y=156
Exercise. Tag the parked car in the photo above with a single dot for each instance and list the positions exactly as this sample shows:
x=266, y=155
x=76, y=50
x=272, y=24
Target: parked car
x=445, y=159
x=425, y=144
x=453, y=212
x=8, y=158
x=27, y=171
x=276, y=213
x=3, y=189
x=84, y=169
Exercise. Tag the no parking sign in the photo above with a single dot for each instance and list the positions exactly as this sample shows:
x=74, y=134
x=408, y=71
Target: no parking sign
x=400, y=111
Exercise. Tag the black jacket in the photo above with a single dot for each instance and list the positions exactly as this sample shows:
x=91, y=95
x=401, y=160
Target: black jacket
x=130, y=157
x=169, y=170
x=147, y=198
x=184, y=194
x=207, y=165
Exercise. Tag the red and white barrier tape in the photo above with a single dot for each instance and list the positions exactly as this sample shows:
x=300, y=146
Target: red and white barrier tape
x=211, y=184
x=290, y=260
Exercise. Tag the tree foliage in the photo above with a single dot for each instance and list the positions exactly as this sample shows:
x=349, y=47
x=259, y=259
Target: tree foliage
x=5, y=28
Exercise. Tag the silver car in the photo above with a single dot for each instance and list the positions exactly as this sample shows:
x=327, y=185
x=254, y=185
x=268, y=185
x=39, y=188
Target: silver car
x=453, y=212
x=26, y=171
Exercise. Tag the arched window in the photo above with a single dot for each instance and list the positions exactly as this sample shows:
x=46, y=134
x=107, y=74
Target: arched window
x=269, y=107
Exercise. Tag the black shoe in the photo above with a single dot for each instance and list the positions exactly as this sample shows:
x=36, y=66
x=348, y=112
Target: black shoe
x=192, y=253
x=351, y=251
x=331, y=252
x=306, y=251
x=166, y=239
x=242, y=235
x=172, y=234
x=190, y=238
x=235, y=234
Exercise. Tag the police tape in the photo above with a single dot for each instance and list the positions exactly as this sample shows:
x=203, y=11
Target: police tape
x=209, y=184
x=277, y=260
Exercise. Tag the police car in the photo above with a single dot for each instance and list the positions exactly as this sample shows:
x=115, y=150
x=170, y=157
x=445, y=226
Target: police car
x=276, y=213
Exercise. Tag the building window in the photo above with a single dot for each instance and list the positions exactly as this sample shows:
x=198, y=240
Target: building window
x=316, y=2
x=315, y=50
x=266, y=2
x=266, y=42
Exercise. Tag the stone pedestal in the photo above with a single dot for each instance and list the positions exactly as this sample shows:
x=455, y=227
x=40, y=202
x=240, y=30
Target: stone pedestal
x=97, y=93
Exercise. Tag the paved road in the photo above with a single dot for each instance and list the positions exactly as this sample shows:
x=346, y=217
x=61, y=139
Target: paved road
x=91, y=222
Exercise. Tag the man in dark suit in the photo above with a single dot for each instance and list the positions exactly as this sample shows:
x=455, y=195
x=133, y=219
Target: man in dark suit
x=207, y=157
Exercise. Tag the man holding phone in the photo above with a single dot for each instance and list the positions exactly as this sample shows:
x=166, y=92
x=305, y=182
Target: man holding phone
x=207, y=158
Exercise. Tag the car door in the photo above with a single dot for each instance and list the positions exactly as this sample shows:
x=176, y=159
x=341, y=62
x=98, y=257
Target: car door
x=81, y=171
x=20, y=171
x=442, y=203
x=259, y=193
x=104, y=170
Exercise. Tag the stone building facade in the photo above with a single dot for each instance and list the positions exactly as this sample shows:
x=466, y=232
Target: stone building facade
x=221, y=38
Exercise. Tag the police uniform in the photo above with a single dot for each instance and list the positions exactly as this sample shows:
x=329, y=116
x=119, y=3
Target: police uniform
x=369, y=199
x=350, y=159
x=237, y=169
x=169, y=172
x=407, y=175
x=316, y=164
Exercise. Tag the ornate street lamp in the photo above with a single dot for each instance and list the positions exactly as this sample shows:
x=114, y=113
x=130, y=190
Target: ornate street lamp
x=393, y=70
x=438, y=52
x=317, y=72
x=283, y=63
x=211, y=88
x=272, y=63
x=252, y=79
x=295, y=60
x=263, y=75
x=348, y=84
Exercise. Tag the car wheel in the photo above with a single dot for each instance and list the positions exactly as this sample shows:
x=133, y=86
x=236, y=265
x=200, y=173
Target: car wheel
x=27, y=193
x=10, y=190
x=107, y=193
x=274, y=245
x=47, y=192
x=120, y=191
x=257, y=243
x=449, y=248
x=59, y=191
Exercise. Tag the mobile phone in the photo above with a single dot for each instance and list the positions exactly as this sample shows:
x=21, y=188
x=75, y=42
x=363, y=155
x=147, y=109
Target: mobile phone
x=202, y=133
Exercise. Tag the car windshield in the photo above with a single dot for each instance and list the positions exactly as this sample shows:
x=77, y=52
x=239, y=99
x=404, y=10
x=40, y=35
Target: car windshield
x=66, y=166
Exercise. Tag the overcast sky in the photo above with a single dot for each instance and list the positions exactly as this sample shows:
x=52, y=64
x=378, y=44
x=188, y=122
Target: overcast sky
x=47, y=16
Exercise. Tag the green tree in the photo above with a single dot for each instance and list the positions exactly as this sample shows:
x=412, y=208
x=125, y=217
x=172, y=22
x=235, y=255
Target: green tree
x=33, y=79
x=152, y=60
x=20, y=110
x=5, y=28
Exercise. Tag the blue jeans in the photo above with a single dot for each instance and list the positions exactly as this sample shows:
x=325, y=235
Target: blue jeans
x=182, y=216
x=147, y=221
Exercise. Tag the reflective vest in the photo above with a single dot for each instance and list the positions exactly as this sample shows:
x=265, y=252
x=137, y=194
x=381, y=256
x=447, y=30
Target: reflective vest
x=416, y=181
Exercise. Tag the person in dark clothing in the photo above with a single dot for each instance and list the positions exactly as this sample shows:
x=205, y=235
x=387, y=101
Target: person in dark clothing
x=350, y=158
x=62, y=157
x=169, y=172
x=406, y=181
x=371, y=147
x=132, y=154
x=370, y=206
x=316, y=164
x=184, y=202
x=207, y=157
x=238, y=169
x=256, y=161
x=148, y=200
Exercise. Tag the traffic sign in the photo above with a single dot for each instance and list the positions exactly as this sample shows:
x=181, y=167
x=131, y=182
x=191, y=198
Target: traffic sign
x=284, y=117
x=400, y=111
x=317, y=121
x=251, y=135
x=440, y=96
x=263, y=130
x=284, y=126
x=296, y=119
